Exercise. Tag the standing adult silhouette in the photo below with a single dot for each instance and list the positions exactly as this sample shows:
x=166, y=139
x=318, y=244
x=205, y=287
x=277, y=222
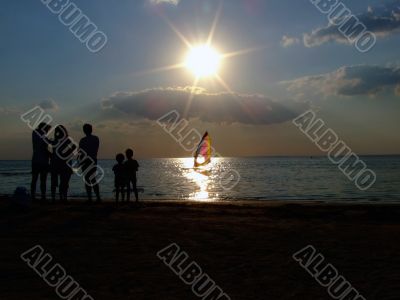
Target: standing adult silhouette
x=60, y=170
x=90, y=145
x=40, y=159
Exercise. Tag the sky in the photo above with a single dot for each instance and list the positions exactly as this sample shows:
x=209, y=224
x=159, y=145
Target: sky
x=280, y=59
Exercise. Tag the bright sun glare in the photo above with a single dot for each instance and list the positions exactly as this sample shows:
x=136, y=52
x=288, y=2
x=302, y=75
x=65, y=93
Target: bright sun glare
x=203, y=61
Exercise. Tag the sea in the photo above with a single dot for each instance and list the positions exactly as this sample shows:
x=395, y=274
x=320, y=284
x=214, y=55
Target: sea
x=234, y=179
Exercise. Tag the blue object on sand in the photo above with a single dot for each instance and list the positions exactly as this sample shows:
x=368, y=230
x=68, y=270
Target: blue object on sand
x=21, y=197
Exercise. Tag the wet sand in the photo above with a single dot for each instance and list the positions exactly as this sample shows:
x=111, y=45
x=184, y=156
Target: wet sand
x=246, y=247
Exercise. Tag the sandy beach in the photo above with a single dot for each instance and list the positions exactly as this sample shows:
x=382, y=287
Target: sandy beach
x=245, y=247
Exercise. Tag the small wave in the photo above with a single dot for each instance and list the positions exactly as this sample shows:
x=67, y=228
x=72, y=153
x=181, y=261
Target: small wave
x=15, y=174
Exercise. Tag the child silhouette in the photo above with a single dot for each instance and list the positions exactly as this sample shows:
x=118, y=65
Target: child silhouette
x=131, y=167
x=119, y=177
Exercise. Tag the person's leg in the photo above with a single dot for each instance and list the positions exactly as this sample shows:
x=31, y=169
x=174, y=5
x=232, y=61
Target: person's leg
x=92, y=181
x=88, y=192
x=43, y=181
x=128, y=191
x=96, y=190
x=88, y=188
x=64, y=179
x=54, y=184
x=61, y=189
x=135, y=190
x=117, y=191
x=35, y=176
x=67, y=179
x=122, y=193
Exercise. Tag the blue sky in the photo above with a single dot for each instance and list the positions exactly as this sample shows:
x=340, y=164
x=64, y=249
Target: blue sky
x=356, y=93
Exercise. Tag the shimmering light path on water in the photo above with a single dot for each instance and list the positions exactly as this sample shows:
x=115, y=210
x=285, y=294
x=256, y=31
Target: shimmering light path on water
x=274, y=178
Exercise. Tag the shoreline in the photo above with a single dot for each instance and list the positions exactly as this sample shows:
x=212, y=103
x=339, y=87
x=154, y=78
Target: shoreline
x=237, y=202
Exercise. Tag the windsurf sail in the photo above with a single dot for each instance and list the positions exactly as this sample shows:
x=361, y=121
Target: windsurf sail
x=202, y=156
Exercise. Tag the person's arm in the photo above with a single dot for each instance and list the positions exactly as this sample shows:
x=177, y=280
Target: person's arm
x=97, y=145
x=48, y=140
x=80, y=153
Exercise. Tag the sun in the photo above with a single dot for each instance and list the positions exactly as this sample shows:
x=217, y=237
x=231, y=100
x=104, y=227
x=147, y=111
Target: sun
x=203, y=61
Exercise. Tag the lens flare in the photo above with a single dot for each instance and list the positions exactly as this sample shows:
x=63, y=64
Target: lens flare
x=203, y=61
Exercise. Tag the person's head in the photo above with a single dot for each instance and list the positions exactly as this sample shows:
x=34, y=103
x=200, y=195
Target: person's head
x=87, y=129
x=43, y=128
x=120, y=158
x=129, y=153
x=60, y=133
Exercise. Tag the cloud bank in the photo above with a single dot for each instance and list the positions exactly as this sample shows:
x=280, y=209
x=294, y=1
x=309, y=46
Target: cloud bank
x=382, y=21
x=208, y=107
x=349, y=81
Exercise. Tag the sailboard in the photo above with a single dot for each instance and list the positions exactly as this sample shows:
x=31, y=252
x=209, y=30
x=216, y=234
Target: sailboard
x=202, y=156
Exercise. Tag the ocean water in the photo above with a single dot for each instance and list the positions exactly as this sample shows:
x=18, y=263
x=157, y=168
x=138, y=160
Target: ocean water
x=266, y=178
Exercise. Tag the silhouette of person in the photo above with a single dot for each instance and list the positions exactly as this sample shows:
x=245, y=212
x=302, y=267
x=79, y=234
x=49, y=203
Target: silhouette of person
x=60, y=170
x=131, y=167
x=119, y=177
x=40, y=159
x=90, y=145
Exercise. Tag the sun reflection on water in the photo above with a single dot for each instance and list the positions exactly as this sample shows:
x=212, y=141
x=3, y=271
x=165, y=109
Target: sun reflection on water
x=201, y=177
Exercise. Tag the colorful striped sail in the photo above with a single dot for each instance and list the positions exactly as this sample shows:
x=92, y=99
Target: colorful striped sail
x=203, y=153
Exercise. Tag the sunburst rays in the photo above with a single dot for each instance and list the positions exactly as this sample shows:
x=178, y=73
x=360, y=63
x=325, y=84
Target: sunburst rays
x=180, y=65
x=215, y=24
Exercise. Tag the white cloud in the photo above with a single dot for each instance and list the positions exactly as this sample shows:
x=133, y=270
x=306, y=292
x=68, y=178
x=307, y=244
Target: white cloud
x=288, y=41
x=156, y=2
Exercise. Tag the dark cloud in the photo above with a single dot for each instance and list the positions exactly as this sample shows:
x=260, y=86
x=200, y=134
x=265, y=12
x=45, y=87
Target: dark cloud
x=349, y=81
x=382, y=21
x=48, y=105
x=208, y=107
